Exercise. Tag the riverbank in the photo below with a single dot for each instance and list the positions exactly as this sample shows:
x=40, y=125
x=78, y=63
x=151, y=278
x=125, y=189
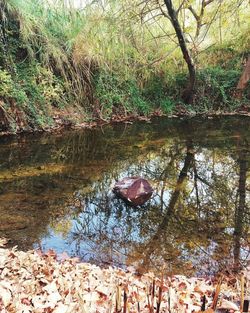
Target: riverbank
x=61, y=120
x=36, y=282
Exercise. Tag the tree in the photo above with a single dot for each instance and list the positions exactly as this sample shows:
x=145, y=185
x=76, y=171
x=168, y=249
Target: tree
x=188, y=93
x=196, y=25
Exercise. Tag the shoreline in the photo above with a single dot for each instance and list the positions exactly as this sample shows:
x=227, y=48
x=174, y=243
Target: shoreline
x=61, y=126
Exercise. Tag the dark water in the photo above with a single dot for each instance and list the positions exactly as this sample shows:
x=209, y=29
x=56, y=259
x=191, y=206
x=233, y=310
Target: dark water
x=55, y=192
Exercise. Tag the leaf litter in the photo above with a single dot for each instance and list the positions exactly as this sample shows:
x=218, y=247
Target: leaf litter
x=42, y=283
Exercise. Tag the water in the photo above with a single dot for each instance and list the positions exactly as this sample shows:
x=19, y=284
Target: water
x=56, y=192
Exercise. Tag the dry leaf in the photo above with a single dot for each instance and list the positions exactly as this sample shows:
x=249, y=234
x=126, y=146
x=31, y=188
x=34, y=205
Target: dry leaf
x=39, y=283
x=5, y=296
x=227, y=305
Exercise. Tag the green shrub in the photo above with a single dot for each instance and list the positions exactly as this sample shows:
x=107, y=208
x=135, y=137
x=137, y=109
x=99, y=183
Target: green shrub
x=119, y=96
x=167, y=105
x=215, y=89
x=160, y=92
x=6, y=84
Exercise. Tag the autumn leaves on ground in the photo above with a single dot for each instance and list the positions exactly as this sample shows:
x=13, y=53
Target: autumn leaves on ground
x=66, y=64
x=39, y=283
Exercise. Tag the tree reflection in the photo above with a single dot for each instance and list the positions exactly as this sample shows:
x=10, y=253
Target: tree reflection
x=196, y=220
x=241, y=214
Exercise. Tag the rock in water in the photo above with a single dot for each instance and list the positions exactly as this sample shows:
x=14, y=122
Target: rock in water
x=135, y=190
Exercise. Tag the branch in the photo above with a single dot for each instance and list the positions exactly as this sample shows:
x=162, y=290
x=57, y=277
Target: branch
x=208, y=2
x=164, y=31
x=142, y=2
x=163, y=36
x=162, y=11
x=209, y=25
x=162, y=58
x=181, y=5
x=152, y=18
x=196, y=16
x=204, y=181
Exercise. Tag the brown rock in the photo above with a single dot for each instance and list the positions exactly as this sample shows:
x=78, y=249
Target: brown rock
x=135, y=190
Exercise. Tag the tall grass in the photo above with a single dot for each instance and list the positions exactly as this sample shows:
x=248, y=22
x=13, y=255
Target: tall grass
x=48, y=34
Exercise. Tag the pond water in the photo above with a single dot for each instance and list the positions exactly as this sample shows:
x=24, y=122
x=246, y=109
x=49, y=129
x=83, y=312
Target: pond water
x=56, y=193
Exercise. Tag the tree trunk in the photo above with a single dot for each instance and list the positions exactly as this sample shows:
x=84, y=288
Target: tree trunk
x=244, y=79
x=188, y=93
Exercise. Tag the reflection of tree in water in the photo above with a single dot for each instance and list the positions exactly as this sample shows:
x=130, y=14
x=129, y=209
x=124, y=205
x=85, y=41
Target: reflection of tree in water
x=197, y=216
x=242, y=214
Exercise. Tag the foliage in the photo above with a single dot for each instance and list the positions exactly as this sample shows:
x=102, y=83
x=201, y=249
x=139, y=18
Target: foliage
x=160, y=91
x=215, y=89
x=115, y=58
x=32, y=90
x=117, y=95
x=120, y=96
x=6, y=83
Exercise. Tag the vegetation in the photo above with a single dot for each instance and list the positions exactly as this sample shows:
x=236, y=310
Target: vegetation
x=105, y=59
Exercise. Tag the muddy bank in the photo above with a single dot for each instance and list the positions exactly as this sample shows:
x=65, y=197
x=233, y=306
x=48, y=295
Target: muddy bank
x=63, y=122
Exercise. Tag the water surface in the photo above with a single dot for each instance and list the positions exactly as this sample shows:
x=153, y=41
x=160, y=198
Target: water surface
x=55, y=192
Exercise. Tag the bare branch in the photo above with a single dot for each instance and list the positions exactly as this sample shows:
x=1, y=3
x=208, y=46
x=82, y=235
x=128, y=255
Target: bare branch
x=163, y=36
x=163, y=58
x=153, y=17
x=162, y=11
x=143, y=2
x=180, y=7
x=196, y=16
x=208, y=2
x=209, y=25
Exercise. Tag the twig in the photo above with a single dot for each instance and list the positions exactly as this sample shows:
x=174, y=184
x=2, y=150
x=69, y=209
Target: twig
x=138, y=303
x=242, y=282
x=169, y=303
x=159, y=296
x=125, y=299
x=152, y=297
x=203, y=306
x=216, y=295
x=118, y=299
